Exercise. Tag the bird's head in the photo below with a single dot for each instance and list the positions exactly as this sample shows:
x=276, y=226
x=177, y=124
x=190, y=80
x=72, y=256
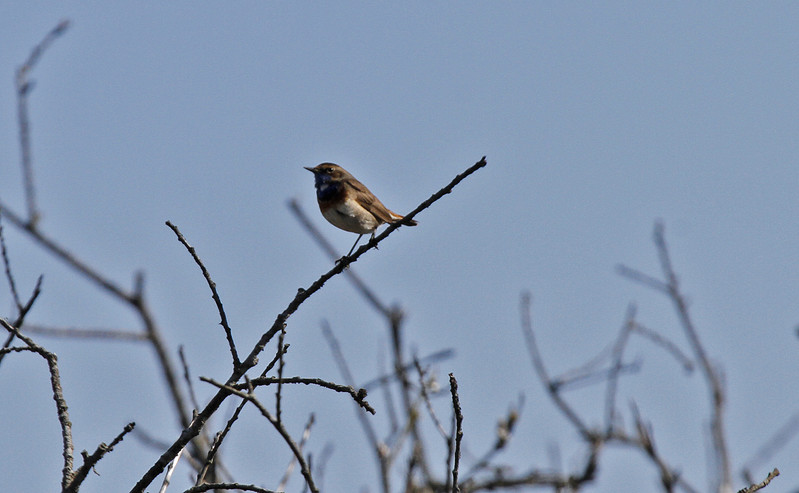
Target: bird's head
x=328, y=173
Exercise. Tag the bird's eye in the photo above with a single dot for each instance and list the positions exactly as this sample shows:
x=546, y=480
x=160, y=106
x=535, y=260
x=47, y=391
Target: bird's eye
x=329, y=170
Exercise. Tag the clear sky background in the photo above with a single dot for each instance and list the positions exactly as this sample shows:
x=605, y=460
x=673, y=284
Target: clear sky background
x=596, y=120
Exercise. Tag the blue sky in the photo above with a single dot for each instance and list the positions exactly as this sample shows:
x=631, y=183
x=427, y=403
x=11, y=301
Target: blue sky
x=596, y=120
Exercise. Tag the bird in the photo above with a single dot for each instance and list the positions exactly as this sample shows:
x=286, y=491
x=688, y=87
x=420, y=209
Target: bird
x=347, y=204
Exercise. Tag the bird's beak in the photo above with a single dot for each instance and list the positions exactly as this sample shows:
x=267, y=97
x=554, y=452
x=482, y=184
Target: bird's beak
x=310, y=169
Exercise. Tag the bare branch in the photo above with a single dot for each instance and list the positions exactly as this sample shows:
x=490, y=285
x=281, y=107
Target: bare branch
x=360, y=285
x=458, y=435
x=442, y=355
x=305, y=435
x=24, y=87
x=711, y=374
x=505, y=427
x=7, y=263
x=58, y=397
x=89, y=461
x=543, y=376
x=78, y=333
x=169, y=471
x=641, y=278
x=66, y=256
x=426, y=398
x=759, y=486
x=775, y=442
x=227, y=486
x=214, y=294
x=616, y=367
x=306, y=472
x=23, y=311
x=666, y=344
x=381, y=452
x=187, y=377
x=280, y=366
x=358, y=395
x=217, y=443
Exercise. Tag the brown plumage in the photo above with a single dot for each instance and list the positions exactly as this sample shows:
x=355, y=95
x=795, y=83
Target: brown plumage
x=347, y=204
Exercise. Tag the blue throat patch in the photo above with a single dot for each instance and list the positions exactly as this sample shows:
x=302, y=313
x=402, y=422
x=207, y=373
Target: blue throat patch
x=326, y=189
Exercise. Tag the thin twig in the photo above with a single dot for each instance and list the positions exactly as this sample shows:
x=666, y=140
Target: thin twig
x=456, y=407
x=410, y=403
x=358, y=395
x=641, y=278
x=280, y=367
x=89, y=461
x=505, y=428
x=646, y=442
x=66, y=256
x=576, y=380
x=385, y=390
x=214, y=294
x=775, y=442
x=426, y=398
x=217, y=443
x=540, y=369
x=169, y=471
x=616, y=368
x=759, y=486
x=187, y=377
x=7, y=263
x=24, y=87
x=305, y=435
x=436, y=357
x=23, y=312
x=666, y=344
x=381, y=452
x=306, y=472
x=79, y=333
x=712, y=377
x=227, y=486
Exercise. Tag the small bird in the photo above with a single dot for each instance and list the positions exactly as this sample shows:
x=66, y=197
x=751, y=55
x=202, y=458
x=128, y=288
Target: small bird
x=347, y=204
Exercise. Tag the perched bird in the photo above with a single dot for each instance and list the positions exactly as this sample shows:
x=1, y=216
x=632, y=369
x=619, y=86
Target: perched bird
x=347, y=204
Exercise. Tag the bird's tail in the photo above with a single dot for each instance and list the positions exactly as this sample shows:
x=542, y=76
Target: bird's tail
x=396, y=218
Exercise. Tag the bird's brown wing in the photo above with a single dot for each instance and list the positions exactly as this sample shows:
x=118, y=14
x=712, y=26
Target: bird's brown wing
x=371, y=203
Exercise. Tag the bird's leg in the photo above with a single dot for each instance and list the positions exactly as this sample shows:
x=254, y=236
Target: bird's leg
x=356, y=244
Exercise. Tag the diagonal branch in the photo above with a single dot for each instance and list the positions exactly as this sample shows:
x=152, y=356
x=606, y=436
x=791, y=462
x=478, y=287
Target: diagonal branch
x=306, y=471
x=214, y=294
x=541, y=371
x=89, y=461
x=712, y=376
x=361, y=286
x=193, y=429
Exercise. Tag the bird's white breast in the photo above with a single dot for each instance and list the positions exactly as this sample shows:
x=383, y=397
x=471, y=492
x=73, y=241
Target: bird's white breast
x=349, y=215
